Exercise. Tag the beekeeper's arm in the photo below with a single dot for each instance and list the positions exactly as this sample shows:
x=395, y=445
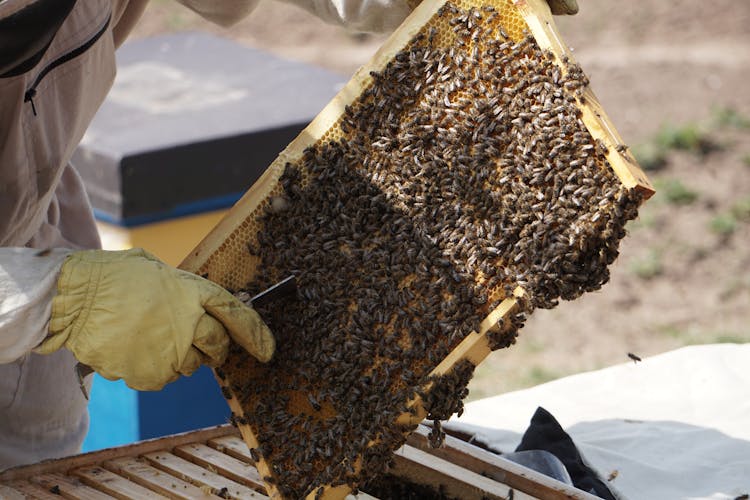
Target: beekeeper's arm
x=126, y=314
x=360, y=15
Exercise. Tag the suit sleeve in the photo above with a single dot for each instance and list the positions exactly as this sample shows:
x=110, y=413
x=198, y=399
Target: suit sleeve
x=379, y=16
x=359, y=15
x=28, y=281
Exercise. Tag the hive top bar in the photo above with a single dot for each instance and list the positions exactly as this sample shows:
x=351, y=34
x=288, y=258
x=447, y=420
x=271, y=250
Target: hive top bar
x=462, y=179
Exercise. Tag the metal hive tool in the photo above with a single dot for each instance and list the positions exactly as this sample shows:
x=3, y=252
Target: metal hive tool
x=464, y=177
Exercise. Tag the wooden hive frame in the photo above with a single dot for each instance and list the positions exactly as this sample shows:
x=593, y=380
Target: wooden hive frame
x=215, y=463
x=223, y=258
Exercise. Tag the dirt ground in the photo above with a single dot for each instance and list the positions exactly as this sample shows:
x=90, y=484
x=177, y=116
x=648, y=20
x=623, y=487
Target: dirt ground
x=673, y=76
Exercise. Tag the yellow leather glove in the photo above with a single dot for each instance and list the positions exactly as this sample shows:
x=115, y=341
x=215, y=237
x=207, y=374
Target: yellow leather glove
x=128, y=315
x=563, y=7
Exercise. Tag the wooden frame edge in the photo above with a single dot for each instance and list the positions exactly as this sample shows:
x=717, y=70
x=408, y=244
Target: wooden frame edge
x=98, y=456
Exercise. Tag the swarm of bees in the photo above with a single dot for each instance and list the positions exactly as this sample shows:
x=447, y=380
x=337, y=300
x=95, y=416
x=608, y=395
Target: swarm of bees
x=463, y=171
x=444, y=397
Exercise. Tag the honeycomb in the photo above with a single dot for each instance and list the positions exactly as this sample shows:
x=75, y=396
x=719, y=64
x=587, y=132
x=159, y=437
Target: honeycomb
x=463, y=178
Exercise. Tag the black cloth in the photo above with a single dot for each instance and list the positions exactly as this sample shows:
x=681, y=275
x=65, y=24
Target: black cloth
x=545, y=433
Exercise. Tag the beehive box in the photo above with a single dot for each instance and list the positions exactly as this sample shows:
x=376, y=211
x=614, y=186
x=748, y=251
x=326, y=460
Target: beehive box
x=215, y=463
x=464, y=177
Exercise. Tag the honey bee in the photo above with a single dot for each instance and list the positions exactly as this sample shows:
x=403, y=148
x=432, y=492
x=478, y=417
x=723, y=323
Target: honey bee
x=634, y=357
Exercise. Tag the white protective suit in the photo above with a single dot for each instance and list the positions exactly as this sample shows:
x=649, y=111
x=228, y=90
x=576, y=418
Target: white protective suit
x=43, y=204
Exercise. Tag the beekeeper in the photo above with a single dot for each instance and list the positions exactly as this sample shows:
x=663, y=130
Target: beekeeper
x=123, y=313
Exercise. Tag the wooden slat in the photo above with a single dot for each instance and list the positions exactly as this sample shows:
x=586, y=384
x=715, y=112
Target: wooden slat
x=141, y=472
x=135, y=449
x=69, y=487
x=451, y=479
x=10, y=493
x=223, y=464
x=233, y=446
x=32, y=490
x=496, y=467
x=196, y=474
x=340, y=492
x=113, y=484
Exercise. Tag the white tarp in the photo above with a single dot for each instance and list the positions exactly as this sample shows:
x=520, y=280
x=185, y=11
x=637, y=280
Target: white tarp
x=675, y=426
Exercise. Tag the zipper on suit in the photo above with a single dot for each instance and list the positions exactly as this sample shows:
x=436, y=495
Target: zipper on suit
x=31, y=91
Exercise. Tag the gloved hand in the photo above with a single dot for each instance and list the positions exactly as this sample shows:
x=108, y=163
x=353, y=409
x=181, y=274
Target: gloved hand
x=561, y=7
x=128, y=315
